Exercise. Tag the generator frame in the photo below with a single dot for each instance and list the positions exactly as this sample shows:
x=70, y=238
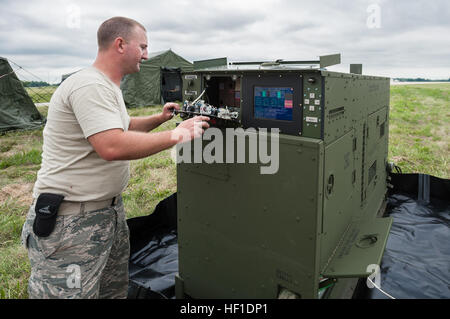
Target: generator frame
x=313, y=228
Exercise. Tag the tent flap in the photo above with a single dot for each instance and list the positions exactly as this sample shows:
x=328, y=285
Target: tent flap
x=144, y=87
x=17, y=110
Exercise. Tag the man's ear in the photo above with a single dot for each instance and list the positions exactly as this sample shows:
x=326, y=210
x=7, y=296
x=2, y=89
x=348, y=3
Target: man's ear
x=119, y=44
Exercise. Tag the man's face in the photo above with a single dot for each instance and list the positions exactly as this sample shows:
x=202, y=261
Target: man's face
x=135, y=51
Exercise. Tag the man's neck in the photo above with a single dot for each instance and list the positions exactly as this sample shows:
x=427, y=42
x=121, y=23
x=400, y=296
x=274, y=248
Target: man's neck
x=109, y=68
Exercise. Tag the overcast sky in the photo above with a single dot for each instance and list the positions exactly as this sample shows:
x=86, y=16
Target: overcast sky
x=395, y=38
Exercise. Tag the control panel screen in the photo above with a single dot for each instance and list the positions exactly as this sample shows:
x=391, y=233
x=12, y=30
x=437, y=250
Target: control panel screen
x=273, y=103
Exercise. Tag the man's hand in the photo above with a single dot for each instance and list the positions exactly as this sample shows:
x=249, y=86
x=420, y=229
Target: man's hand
x=190, y=129
x=148, y=123
x=115, y=144
x=167, y=112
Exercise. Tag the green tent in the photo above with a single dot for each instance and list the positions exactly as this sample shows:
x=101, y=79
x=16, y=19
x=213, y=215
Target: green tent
x=17, y=110
x=158, y=81
x=65, y=76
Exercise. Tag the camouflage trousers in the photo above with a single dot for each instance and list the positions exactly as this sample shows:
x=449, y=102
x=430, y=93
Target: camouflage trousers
x=86, y=255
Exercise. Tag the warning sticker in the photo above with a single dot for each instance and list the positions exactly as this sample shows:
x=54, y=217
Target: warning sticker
x=311, y=119
x=288, y=104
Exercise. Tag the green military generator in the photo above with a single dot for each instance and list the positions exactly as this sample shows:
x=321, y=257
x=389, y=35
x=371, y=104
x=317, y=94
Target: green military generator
x=307, y=227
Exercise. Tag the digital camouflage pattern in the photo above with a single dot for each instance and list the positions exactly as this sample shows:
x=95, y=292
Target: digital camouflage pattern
x=86, y=256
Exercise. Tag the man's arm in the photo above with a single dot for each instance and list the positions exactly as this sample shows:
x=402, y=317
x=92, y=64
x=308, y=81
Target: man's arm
x=148, y=123
x=115, y=144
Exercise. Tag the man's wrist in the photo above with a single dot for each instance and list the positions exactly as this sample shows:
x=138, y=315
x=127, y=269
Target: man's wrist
x=163, y=117
x=160, y=118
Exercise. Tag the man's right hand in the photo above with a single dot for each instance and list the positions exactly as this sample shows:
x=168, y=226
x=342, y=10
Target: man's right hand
x=115, y=144
x=190, y=129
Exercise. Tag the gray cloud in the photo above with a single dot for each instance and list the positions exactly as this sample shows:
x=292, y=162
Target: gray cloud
x=410, y=41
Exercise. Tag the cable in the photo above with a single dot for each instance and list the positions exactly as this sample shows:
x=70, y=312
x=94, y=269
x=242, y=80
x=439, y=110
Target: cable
x=40, y=95
x=30, y=88
x=25, y=70
x=198, y=98
x=326, y=287
x=1, y=76
x=381, y=290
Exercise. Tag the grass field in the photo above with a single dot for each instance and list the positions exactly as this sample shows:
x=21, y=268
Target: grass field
x=419, y=142
x=41, y=94
x=419, y=133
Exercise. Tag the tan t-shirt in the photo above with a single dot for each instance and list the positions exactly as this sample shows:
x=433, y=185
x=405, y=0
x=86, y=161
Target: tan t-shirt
x=86, y=103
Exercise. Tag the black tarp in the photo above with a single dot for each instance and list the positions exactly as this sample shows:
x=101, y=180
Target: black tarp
x=415, y=264
x=154, y=252
x=416, y=261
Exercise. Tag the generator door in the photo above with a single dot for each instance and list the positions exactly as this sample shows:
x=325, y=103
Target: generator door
x=171, y=84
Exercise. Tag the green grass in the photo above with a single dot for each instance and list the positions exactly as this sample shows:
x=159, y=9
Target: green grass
x=12, y=218
x=14, y=264
x=154, y=179
x=420, y=128
x=23, y=158
x=20, y=156
x=419, y=142
x=41, y=94
x=43, y=109
x=14, y=272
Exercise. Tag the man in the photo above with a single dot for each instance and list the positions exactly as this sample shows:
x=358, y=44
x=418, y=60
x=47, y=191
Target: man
x=76, y=232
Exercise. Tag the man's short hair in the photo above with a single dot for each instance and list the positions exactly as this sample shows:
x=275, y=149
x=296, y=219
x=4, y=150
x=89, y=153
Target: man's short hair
x=115, y=27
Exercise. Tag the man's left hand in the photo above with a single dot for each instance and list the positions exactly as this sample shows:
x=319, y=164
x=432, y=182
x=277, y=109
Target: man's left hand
x=167, y=112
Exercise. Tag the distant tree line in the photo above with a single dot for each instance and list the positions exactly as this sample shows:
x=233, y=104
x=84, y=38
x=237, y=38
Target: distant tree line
x=419, y=80
x=34, y=83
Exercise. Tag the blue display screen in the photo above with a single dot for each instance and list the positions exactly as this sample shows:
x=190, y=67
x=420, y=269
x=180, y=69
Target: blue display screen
x=273, y=103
